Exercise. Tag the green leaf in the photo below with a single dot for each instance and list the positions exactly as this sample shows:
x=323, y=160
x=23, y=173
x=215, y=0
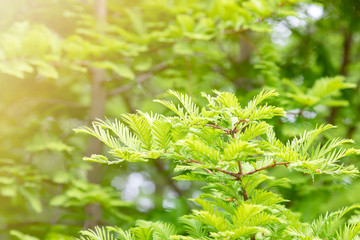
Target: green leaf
x=22, y=236
x=34, y=199
x=186, y=22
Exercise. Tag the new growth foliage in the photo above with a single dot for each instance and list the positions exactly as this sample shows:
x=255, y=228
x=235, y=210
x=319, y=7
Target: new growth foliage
x=229, y=147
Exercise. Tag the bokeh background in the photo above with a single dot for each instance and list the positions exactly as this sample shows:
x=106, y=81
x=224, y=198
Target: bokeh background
x=64, y=63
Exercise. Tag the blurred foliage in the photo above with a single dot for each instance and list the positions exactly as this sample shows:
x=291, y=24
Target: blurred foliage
x=49, y=51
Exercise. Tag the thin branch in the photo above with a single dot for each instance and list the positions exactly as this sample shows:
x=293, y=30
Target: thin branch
x=268, y=166
x=161, y=169
x=240, y=168
x=236, y=175
x=195, y=161
x=234, y=130
x=213, y=126
x=231, y=131
x=239, y=175
x=244, y=193
x=142, y=78
x=198, y=162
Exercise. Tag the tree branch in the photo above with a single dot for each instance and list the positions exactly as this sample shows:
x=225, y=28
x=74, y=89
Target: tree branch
x=198, y=162
x=211, y=125
x=236, y=175
x=161, y=169
x=231, y=131
x=268, y=166
x=240, y=168
x=241, y=174
x=140, y=79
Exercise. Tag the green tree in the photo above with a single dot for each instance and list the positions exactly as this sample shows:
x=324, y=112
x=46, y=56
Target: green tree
x=227, y=146
x=65, y=62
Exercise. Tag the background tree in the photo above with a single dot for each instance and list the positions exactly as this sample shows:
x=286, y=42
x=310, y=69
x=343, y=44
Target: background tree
x=52, y=51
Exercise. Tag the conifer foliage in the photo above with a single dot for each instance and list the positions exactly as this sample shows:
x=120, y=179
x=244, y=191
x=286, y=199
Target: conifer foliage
x=229, y=147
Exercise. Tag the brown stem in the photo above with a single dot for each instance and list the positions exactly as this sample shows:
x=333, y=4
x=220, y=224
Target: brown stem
x=234, y=130
x=346, y=55
x=195, y=161
x=268, y=166
x=231, y=131
x=198, y=162
x=244, y=193
x=236, y=175
x=213, y=126
x=241, y=174
x=240, y=168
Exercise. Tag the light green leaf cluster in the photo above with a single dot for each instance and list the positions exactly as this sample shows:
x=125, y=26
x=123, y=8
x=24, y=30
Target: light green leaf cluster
x=26, y=49
x=324, y=91
x=228, y=147
x=330, y=227
x=320, y=159
x=144, y=230
x=79, y=193
x=11, y=174
x=219, y=136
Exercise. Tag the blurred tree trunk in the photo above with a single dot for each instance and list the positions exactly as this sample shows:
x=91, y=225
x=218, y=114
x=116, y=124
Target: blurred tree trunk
x=347, y=44
x=97, y=110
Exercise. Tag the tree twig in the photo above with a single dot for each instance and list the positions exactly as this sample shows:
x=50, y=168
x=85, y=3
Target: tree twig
x=140, y=79
x=211, y=125
x=268, y=166
x=198, y=162
x=161, y=169
x=240, y=168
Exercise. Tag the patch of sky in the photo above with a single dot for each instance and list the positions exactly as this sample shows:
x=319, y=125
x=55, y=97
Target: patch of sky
x=293, y=114
x=282, y=30
x=144, y=204
x=315, y=12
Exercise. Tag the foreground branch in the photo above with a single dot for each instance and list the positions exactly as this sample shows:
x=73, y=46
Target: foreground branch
x=240, y=173
x=268, y=166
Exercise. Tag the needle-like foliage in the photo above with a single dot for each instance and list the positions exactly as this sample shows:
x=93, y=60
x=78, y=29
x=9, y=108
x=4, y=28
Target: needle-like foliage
x=228, y=147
